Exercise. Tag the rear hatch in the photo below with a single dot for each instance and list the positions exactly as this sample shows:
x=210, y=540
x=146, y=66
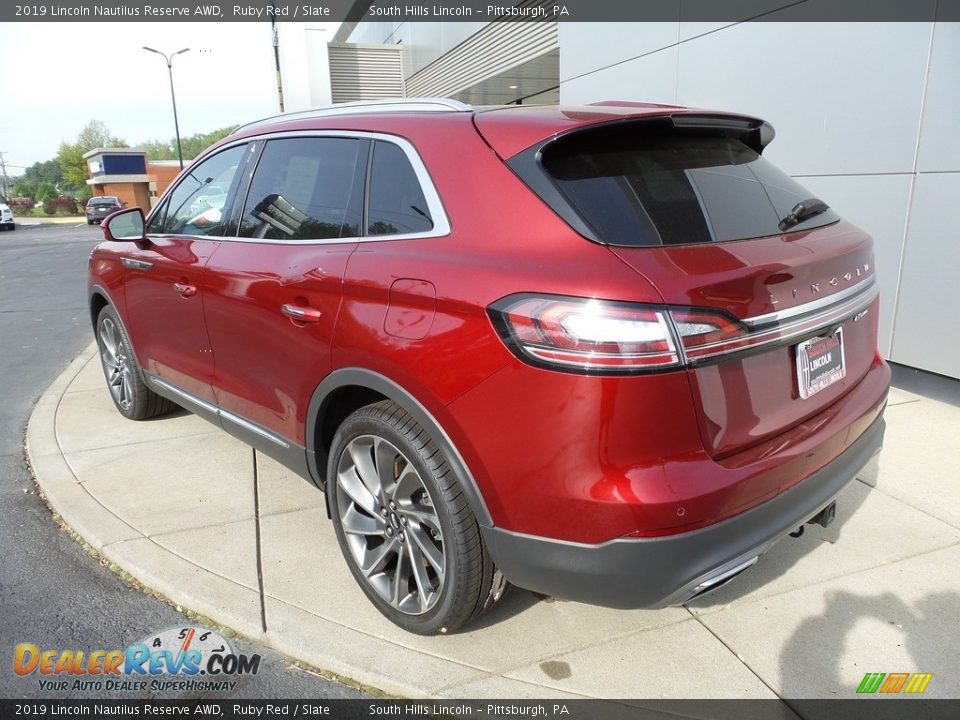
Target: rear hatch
x=772, y=296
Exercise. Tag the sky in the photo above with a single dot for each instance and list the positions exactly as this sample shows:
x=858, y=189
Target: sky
x=60, y=75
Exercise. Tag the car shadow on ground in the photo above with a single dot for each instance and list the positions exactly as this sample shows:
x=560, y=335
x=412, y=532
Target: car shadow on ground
x=832, y=641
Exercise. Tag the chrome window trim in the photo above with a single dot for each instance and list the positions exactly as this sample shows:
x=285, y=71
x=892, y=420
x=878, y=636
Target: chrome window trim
x=812, y=306
x=441, y=223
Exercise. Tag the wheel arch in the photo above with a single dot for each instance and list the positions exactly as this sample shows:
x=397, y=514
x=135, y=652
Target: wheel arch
x=349, y=389
x=99, y=299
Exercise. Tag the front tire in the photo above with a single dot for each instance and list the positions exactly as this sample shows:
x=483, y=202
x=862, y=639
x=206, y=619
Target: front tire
x=129, y=392
x=404, y=526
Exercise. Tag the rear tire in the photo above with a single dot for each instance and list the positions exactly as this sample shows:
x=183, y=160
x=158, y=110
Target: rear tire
x=129, y=392
x=404, y=526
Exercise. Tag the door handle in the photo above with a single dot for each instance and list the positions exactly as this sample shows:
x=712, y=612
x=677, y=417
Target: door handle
x=136, y=264
x=301, y=314
x=185, y=290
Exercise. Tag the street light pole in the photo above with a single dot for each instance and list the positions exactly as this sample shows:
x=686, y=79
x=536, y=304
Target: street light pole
x=173, y=97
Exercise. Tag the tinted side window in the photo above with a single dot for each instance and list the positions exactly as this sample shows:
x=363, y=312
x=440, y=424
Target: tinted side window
x=396, y=204
x=195, y=207
x=304, y=189
x=159, y=217
x=635, y=188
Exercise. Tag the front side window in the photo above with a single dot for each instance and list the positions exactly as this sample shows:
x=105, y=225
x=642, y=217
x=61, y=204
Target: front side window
x=155, y=225
x=305, y=189
x=195, y=207
x=396, y=205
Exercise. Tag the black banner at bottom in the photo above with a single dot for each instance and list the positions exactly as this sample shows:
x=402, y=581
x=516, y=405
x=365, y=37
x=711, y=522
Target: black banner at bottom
x=853, y=709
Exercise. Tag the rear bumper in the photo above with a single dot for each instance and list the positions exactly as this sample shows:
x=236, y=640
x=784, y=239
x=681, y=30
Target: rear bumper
x=660, y=571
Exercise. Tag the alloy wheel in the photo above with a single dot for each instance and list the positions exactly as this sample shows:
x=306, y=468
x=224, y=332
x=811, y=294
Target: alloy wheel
x=117, y=363
x=390, y=524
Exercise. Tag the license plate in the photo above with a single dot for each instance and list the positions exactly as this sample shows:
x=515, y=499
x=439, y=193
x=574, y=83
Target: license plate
x=820, y=363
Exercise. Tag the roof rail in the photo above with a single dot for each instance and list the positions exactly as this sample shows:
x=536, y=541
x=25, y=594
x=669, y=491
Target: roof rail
x=427, y=104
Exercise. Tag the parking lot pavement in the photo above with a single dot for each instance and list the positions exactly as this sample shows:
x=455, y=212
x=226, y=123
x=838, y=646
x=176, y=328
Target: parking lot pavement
x=172, y=502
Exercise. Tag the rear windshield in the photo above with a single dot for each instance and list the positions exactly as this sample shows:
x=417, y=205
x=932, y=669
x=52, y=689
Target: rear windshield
x=102, y=201
x=635, y=188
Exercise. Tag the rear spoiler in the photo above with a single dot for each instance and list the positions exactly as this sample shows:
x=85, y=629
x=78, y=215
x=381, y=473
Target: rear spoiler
x=754, y=132
x=745, y=124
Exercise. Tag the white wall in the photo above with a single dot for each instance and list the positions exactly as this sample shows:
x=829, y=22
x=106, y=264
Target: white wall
x=424, y=41
x=304, y=65
x=866, y=117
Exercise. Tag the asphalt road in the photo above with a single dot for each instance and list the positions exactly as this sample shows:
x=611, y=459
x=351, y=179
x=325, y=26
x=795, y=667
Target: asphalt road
x=52, y=593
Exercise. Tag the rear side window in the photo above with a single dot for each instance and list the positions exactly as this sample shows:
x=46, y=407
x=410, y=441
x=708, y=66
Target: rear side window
x=305, y=189
x=396, y=205
x=636, y=188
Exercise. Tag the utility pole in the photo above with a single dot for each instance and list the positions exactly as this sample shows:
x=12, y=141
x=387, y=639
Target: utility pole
x=276, y=56
x=6, y=193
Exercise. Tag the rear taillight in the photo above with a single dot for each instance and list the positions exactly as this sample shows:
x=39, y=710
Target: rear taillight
x=605, y=337
x=586, y=335
x=706, y=333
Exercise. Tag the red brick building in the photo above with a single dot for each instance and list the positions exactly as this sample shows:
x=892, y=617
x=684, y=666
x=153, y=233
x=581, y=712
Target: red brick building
x=129, y=175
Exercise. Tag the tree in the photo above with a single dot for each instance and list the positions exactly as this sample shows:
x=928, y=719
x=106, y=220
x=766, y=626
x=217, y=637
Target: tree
x=45, y=191
x=72, y=163
x=42, y=172
x=24, y=188
x=192, y=146
x=70, y=157
x=96, y=135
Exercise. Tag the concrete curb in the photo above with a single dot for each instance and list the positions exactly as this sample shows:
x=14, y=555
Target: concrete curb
x=36, y=222
x=60, y=486
x=98, y=526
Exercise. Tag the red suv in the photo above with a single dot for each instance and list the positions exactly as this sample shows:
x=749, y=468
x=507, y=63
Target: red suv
x=608, y=353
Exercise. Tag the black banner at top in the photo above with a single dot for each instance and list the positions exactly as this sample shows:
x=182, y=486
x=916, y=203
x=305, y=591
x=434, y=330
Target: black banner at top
x=482, y=10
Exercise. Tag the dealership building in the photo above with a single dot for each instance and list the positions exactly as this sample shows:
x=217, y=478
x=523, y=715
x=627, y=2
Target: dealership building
x=866, y=116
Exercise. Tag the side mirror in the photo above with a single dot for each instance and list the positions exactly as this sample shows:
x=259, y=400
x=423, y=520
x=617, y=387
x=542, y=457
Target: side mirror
x=124, y=226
